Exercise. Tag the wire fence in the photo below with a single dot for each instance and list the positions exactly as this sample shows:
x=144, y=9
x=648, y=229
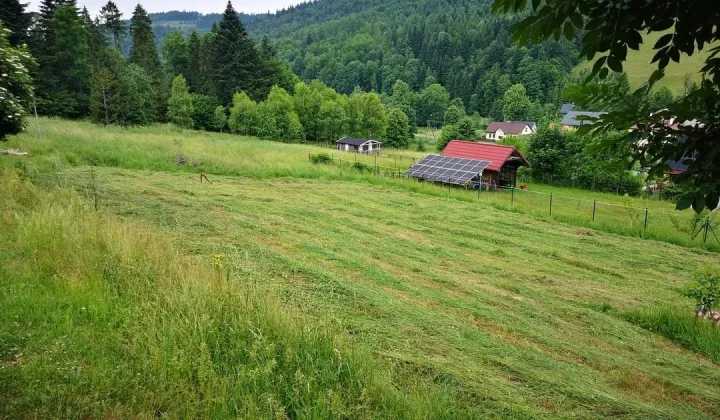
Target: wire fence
x=631, y=216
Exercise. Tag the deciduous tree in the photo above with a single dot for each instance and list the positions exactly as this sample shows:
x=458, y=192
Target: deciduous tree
x=15, y=85
x=180, y=106
x=398, y=129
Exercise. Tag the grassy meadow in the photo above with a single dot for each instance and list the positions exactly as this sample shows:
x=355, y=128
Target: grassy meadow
x=638, y=66
x=287, y=289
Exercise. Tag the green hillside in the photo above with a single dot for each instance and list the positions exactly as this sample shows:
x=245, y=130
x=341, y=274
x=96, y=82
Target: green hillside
x=639, y=68
x=288, y=289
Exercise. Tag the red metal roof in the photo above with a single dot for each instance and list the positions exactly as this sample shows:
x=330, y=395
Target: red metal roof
x=495, y=153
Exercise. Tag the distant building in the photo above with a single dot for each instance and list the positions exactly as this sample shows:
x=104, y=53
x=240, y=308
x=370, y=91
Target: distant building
x=499, y=130
x=565, y=108
x=352, y=144
x=570, y=120
x=504, y=161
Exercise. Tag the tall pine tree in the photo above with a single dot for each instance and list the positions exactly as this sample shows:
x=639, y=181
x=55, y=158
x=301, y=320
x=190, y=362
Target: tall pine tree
x=13, y=16
x=112, y=21
x=235, y=62
x=144, y=54
x=63, y=86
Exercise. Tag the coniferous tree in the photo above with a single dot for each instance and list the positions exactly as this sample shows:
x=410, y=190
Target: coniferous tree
x=144, y=54
x=180, y=105
x=65, y=73
x=95, y=36
x=15, y=86
x=111, y=19
x=14, y=18
x=234, y=59
x=195, y=72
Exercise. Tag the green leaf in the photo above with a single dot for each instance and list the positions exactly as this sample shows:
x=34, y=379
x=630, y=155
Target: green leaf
x=698, y=204
x=577, y=20
x=663, y=41
x=684, y=202
x=604, y=73
x=568, y=31
x=535, y=4
x=712, y=200
x=655, y=76
x=614, y=64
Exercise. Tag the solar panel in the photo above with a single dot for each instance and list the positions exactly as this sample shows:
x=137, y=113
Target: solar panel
x=447, y=169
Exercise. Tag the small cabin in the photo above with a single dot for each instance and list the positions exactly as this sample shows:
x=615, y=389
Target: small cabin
x=352, y=144
x=504, y=161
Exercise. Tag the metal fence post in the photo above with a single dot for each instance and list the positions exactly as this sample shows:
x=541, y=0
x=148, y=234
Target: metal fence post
x=479, y=188
x=646, y=218
x=594, y=202
x=551, y=196
x=512, y=197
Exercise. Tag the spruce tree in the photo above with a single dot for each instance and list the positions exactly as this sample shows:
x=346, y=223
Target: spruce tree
x=235, y=63
x=195, y=65
x=112, y=21
x=65, y=70
x=144, y=54
x=14, y=18
x=180, y=106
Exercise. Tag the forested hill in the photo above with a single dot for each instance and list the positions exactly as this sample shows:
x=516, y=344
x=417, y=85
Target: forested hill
x=372, y=43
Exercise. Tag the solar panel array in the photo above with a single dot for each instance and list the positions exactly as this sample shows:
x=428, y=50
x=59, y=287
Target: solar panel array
x=447, y=169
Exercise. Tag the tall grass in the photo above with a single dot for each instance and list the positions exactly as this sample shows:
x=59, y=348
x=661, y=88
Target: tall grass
x=683, y=327
x=162, y=148
x=104, y=318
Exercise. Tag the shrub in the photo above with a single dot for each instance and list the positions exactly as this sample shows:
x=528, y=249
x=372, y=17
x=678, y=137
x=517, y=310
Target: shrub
x=361, y=167
x=705, y=290
x=322, y=158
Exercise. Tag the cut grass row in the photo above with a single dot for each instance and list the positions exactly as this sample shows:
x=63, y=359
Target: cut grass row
x=162, y=148
x=105, y=319
x=501, y=309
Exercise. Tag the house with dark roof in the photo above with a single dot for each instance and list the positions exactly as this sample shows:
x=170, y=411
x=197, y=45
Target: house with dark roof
x=501, y=129
x=353, y=144
x=570, y=120
x=504, y=161
x=565, y=108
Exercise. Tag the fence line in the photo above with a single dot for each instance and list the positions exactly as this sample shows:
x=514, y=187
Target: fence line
x=641, y=218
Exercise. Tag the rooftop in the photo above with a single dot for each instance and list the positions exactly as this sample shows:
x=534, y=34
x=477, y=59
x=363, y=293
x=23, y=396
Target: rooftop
x=496, y=154
x=509, y=127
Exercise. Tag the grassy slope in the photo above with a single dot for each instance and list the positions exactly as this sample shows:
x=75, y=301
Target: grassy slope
x=639, y=68
x=501, y=310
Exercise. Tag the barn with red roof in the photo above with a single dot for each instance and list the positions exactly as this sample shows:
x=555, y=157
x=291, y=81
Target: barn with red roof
x=504, y=161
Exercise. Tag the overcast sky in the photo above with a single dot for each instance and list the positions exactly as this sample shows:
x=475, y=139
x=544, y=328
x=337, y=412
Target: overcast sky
x=205, y=6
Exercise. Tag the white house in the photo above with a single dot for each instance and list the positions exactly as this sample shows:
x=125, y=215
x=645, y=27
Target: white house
x=352, y=144
x=499, y=130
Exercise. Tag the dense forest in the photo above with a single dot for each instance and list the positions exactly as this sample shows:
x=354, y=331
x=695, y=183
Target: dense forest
x=372, y=44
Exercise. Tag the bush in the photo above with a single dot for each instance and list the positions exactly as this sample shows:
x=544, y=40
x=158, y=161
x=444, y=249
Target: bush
x=322, y=158
x=361, y=167
x=705, y=290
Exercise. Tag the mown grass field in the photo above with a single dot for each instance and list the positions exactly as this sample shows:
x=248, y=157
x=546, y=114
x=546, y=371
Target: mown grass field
x=163, y=148
x=287, y=289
